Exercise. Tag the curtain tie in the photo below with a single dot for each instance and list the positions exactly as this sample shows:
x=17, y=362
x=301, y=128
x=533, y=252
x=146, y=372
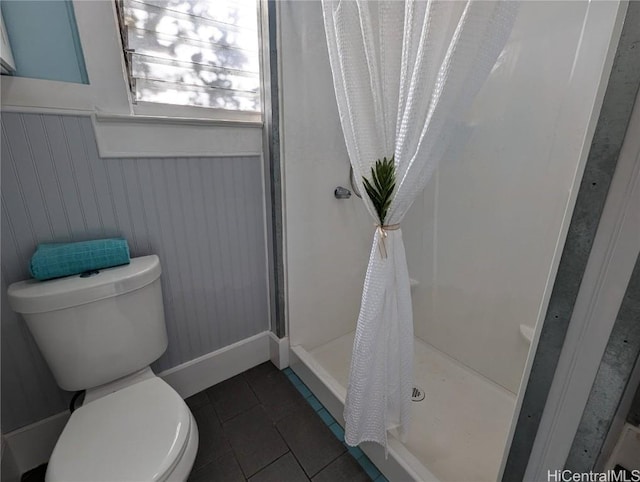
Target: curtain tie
x=382, y=230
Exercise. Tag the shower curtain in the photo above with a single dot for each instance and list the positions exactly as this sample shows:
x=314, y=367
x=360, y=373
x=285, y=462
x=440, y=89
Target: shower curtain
x=404, y=74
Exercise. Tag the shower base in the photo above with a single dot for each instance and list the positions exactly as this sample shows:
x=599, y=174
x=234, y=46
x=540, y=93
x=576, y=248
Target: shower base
x=458, y=432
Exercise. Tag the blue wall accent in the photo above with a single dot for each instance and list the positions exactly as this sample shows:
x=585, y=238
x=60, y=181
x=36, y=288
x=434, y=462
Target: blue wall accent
x=44, y=40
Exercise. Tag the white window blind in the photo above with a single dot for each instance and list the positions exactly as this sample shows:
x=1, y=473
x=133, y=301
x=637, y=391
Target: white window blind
x=193, y=52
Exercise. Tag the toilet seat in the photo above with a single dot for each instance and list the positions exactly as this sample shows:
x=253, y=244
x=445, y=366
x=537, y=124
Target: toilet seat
x=138, y=433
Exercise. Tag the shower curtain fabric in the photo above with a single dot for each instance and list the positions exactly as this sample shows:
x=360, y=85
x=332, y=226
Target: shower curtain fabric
x=404, y=74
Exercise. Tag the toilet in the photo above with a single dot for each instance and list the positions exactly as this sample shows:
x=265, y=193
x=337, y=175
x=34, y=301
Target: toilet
x=99, y=332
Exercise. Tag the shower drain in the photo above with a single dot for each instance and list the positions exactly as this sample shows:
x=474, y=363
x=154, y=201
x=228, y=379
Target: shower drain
x=417, y=394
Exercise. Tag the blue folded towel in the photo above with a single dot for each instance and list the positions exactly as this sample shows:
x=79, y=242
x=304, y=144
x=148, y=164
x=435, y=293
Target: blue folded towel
x=54, y=260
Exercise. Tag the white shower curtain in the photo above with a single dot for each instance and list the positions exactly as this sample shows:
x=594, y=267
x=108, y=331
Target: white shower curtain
x=404, y=75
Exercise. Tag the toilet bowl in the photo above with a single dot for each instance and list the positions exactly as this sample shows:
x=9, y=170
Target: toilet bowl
x=100, y=334
x=143, y=432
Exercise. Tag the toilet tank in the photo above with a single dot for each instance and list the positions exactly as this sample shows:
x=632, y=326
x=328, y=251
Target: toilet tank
x=96, y=329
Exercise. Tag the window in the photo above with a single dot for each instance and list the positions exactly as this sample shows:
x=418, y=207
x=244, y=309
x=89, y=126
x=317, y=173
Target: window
x=202, y=53
x=7, y=65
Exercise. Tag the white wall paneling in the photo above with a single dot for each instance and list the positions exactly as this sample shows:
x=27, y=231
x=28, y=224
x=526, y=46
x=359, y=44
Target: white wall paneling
x=151, y=136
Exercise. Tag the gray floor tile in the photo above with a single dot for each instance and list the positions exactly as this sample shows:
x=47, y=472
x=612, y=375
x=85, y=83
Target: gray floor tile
x=288, y=408
x=285, y=469
x=254, y=439
x=197, y=400
x=224, y=469
x=278, y=395
x=310, y=440
x=259, y=372
x=213, y=443
x=344, y=469
x=231, y=397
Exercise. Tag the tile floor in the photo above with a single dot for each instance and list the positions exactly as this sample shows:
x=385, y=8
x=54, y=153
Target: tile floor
x=265, y=425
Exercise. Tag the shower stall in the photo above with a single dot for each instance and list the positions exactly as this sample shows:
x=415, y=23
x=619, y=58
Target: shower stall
x=483, y=240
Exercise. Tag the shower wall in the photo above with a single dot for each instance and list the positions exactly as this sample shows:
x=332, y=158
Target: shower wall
x=481, y=239
x=327, y=240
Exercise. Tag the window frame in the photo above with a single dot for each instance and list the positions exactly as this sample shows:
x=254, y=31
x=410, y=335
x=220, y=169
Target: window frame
x=196, y=112
x=192, y=111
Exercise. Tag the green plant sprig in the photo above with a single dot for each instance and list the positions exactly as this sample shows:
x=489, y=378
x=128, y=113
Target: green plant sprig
x=380, y=189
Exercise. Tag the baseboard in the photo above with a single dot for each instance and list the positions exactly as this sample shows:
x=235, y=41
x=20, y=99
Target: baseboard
x=279, y=351
x=32, y=445
x=203, y=372
x=9, y=468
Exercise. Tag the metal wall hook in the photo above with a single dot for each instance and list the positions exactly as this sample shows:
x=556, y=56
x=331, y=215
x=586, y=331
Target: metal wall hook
x=342, y=193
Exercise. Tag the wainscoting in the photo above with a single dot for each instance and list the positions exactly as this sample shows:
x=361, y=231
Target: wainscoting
x=204, y=217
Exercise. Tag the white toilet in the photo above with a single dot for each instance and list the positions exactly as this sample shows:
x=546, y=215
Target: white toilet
x=100, y=334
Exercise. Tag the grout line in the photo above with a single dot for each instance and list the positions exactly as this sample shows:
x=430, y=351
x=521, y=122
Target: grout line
x=292, y=452
x=255, y=394
x=224, y=433
x=270, y=464
x=326, y=465
x=367, y=465
x=355, y=452
x=309, y=476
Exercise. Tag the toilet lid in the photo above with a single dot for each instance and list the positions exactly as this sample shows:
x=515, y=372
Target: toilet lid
x=135, y=434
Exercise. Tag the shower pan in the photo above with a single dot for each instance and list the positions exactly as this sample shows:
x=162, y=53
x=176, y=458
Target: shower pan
x=483, y=240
